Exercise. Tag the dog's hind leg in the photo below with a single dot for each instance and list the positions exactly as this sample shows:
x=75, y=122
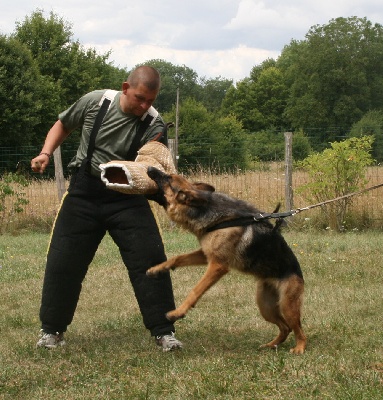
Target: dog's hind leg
x=212, y=275
x=290, y=304
x=268, y=303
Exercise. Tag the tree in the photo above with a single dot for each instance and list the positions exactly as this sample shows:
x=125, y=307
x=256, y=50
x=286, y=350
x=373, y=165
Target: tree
x=73, y=69
x=232, y=152
x=269, y=145
x=67, y=68
x=212, y=92
x=22, y=91
x=259, y=101
x=209, y=92
x=334, y=74
x=85, y=70
x=173, y=77
x=207, y=140
x=371, y=124
x=48, y=39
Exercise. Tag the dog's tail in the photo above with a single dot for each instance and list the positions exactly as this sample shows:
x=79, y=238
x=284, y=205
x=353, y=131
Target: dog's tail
x=279, y=222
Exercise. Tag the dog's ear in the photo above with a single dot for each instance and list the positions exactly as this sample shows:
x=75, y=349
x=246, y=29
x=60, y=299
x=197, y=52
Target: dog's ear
x=192, y=197
x=181, y=197
x=204, y=186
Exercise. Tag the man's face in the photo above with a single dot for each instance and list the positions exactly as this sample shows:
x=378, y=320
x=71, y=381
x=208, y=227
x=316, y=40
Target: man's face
x=136, y=100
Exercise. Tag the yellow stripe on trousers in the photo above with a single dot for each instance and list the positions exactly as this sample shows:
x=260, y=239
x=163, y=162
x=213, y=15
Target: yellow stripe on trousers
x=54, y=222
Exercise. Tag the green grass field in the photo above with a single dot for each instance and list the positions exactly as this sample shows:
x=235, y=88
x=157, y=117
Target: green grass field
x=109, y=354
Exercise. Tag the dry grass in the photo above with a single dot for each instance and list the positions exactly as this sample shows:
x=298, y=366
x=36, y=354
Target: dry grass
x=262, y=188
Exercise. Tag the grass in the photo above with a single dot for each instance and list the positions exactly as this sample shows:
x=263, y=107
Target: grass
x=109, y=354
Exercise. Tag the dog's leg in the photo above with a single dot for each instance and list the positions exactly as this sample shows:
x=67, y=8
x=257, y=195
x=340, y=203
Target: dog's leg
x=195, y=258
x=268, y=300
x=213, y=273
x=290, y=304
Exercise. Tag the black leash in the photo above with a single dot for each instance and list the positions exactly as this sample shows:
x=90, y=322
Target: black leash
x=243, y=221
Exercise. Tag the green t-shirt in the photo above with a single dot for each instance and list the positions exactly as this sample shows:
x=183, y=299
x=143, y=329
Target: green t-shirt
x=116, y=133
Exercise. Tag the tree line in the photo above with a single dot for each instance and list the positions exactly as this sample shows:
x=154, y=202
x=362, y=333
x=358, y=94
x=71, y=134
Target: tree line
x=324, y=87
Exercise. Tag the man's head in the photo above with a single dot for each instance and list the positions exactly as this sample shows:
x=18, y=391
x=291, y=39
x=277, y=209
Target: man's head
x=140, y=90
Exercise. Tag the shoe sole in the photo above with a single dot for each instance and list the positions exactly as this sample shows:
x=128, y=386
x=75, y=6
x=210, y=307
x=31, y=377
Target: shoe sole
x=51, y=346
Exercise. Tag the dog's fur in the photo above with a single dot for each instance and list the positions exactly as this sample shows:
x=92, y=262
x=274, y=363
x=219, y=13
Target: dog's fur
x=257, y=249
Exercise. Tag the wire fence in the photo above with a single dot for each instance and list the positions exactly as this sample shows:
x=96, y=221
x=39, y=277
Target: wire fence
x=263, y=185
x=18, y=159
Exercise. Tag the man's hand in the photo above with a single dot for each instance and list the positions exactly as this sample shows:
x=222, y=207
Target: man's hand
x=39, y=163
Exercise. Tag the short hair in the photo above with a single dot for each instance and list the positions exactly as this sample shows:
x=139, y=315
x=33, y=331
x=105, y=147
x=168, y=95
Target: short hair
x=145, y=75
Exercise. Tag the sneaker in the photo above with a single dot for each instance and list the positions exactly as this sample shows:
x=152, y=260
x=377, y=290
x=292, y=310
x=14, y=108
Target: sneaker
x=168, y=342
x=50, y=340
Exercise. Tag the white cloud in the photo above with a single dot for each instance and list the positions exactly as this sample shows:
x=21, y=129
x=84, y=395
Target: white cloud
x=251, y=13
x=234, y=63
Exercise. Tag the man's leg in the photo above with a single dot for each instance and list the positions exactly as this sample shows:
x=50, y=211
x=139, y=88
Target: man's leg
x=133, y=228
x=75, y=238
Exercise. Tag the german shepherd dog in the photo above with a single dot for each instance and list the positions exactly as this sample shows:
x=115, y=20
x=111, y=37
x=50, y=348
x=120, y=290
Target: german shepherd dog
x=255, y=248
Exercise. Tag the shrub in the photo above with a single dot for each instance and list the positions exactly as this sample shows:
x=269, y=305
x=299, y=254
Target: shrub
x=336, y=172
x=12, y=198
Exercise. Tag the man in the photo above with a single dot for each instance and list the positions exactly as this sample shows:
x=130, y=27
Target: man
x=89, y=209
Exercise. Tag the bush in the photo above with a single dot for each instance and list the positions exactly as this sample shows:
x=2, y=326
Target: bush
x=12, y=198
x=336, y=172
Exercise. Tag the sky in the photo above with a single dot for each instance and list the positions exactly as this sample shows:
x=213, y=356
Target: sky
x=215, y=38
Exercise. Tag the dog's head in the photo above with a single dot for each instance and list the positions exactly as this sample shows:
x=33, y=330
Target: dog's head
x=177, y=190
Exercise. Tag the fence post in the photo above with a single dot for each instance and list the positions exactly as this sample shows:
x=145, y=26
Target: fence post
x=177, y=122
x=288, y=171
x=59, y=174
x=173, y=150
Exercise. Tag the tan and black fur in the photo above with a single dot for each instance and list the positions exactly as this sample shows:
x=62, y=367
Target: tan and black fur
x=257, y=249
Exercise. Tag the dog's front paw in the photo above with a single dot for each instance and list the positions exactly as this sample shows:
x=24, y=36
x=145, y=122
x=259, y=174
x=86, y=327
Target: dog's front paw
x=157, y=269
x=174, y=315
x=154, y=271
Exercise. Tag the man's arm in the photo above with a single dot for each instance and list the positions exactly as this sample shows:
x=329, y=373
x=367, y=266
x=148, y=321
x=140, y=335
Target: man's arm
x=56, y=135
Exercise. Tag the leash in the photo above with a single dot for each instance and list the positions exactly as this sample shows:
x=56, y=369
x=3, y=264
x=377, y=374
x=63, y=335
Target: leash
x=248, y=220
x=298, y=210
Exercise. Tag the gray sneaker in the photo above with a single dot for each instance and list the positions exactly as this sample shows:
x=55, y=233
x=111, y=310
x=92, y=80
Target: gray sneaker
x=50, y=340
x=168, y=342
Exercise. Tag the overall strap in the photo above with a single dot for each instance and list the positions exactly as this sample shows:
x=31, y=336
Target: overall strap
x=96, y=126
x=146, y=120
x=105, y=102
x=85, y=165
